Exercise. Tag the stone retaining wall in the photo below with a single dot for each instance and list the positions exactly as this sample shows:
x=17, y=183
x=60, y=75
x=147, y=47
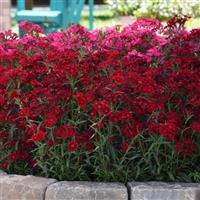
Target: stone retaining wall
x=17, y=187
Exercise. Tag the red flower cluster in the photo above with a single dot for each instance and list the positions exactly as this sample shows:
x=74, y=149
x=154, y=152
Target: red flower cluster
x=39, y=136
x=185, y=145
x=65, y=131
x=77, y=84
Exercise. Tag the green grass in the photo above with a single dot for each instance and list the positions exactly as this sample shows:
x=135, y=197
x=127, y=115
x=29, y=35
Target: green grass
x=193, y=23
x=101, y=18
x=14, y=24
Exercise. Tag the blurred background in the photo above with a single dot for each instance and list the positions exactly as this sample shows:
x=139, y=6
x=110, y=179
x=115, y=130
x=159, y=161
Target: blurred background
x=112, y=12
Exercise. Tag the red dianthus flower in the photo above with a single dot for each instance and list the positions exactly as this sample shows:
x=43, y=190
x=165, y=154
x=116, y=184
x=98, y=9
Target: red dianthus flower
x=65, y=131
x=124, y=147
x=72, y=146
x=39, y=136
x=51, y=119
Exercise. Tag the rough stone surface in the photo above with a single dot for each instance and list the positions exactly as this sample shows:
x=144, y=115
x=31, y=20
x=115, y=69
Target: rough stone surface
x=86, y=191
x=15, y=187
x=164, y=191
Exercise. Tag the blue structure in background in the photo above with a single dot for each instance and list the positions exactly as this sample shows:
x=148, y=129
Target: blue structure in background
x=62, y=14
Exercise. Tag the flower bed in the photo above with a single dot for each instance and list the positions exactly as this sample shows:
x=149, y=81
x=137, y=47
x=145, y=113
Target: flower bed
x=103, y=105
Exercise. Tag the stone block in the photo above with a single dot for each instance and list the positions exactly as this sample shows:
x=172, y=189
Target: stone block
x=16, y=187
x=164, y=191
x=73, y=190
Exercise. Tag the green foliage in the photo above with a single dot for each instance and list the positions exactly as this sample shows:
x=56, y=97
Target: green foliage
x=195, y=176
x=149, y=158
